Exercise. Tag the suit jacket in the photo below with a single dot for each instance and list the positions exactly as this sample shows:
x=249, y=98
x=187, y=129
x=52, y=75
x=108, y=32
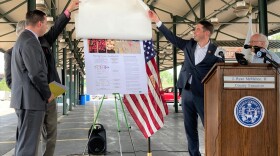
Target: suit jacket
x=189, y=68
x=30, y=88
x=7, y=59
x=46, y=42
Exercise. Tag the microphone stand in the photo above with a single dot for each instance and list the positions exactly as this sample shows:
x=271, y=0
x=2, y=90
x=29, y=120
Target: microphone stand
x=274, y=64
x=265, y=58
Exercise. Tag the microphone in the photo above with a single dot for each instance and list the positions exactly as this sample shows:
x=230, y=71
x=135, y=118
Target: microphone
x=256, y=48
x=246, y=46
x=221, y=53
x=261, y=54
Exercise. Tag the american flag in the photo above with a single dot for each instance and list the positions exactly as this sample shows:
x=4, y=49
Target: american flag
x=148, y=110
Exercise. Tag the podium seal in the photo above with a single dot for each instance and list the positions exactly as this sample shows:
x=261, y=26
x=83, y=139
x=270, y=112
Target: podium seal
x=249, y=111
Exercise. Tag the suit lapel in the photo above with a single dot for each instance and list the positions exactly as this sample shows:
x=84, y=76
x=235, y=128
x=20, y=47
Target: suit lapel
x=192, y=53
x=210, y=51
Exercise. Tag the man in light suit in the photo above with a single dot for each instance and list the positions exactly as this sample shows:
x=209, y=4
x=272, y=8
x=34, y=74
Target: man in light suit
x=200, y=57
x=261, y=41
x=30, y=90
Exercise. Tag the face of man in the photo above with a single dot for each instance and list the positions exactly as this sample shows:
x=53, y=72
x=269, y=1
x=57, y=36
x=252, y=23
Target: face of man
x=257, y=41
x=43, y=27
x=200, y=33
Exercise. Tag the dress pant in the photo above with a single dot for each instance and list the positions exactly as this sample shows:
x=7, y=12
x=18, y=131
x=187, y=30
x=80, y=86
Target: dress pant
x=192, y=107
x=28, y=131
x=49, y=131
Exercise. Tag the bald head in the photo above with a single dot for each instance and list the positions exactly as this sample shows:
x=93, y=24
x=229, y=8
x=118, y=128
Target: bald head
x=20, y=27
x=259, y=40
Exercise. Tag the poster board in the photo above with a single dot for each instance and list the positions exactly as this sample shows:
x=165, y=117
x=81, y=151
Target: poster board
x=115, y=66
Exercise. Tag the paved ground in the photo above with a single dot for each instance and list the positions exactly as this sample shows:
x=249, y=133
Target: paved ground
x=73, y=130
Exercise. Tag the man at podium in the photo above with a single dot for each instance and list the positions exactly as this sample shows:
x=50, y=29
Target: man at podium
x=199, y=59
x=261, y=41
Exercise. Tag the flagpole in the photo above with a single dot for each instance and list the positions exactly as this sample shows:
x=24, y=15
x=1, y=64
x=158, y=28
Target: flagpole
x=149, y=147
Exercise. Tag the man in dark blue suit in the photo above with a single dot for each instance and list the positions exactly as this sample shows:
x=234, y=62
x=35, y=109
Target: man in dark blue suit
x=200, y=57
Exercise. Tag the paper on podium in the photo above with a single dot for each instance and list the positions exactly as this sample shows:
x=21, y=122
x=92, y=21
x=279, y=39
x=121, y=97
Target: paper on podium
x=113, y=19
x=57, y=88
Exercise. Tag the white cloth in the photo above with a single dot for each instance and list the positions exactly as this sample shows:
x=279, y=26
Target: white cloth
x=117, y=19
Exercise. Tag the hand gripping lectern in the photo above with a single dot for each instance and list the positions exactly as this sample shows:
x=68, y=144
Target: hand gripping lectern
x=242, y=110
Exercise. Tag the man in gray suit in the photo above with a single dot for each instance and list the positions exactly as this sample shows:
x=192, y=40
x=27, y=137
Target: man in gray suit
x=30, y=90
x=49, y=130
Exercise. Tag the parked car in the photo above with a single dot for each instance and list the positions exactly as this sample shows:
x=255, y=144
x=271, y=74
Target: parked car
x=168, y=94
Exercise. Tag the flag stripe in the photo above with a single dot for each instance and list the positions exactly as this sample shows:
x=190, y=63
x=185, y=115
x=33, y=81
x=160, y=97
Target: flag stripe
x=136, y=115
x=148, y=115
x=153, y=113
x=153, y=69
x=141, y=113
x=157, y=97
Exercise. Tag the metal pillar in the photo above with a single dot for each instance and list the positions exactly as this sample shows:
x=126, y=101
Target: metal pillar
x=64, y=75
x=175, y=68
x=75, y=86
x=263, y=17
x=158, y=50
x=78, y=87
x=82, y=84
x=31, y=5
x=70, y=84
x=202, y=9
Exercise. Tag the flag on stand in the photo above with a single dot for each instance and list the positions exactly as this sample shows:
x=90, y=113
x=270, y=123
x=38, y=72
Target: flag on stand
x=148, y=110
x=247, y=52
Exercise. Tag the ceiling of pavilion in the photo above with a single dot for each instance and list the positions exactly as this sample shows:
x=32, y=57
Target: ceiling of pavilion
x=231, y=29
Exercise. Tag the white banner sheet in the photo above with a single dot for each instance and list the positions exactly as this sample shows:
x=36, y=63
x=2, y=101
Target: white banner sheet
x=113, y=19
x=115, y=66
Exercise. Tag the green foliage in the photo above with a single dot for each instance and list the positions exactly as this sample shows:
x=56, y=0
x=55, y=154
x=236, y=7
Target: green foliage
x=275, y=37
x=3, y=85
x=166, y=79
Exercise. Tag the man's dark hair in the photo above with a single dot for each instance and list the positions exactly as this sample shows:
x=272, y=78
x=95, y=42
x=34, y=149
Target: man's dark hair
x=33, y=17
x=207, y=26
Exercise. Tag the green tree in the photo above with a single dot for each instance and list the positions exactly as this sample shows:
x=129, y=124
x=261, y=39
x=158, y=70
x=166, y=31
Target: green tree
x=275, y=37
x=3, y=85
x=166, y=79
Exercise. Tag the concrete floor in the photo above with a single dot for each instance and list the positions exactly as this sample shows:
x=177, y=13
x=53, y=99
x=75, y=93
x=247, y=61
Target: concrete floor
x=73, y=131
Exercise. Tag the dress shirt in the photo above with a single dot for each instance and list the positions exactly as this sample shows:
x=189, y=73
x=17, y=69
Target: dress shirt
x=200, y=52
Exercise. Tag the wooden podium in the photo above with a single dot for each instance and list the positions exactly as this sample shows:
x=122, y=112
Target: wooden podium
x=225, y=85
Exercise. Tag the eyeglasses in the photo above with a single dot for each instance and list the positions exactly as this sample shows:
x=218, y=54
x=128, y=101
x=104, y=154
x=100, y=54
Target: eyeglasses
x=255, y=41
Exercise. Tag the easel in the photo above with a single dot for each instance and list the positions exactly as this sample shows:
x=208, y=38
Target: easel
x=116, y=96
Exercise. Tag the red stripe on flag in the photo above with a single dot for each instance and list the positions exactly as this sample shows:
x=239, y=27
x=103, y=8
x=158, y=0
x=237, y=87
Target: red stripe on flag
x=134, y=115
x=150, y=112
x=141, y=112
